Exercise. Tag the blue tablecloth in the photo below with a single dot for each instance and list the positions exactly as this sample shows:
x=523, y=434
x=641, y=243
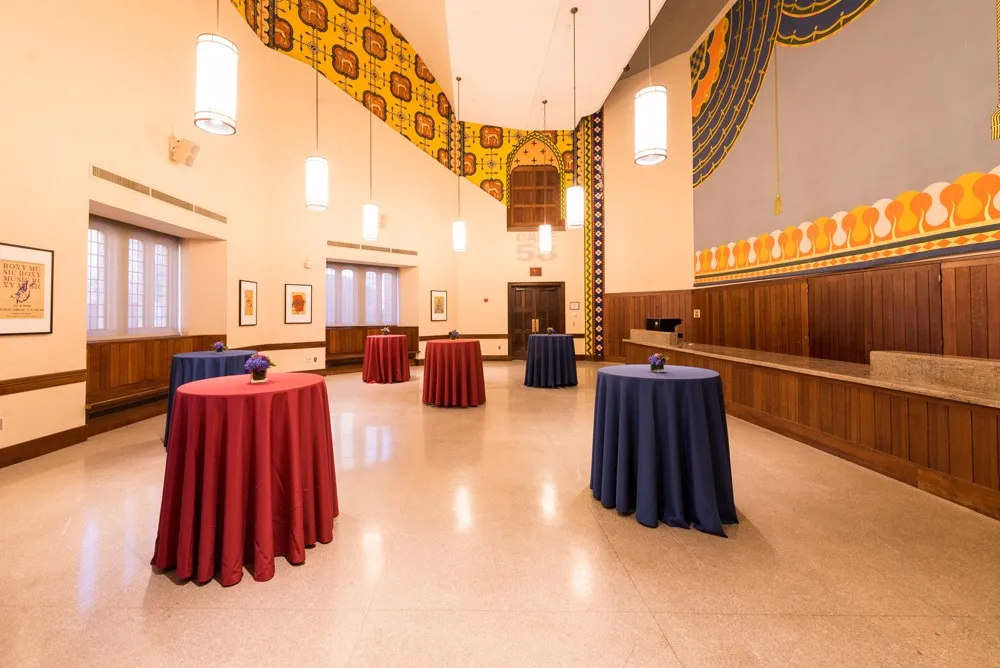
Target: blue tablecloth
x=189, y=367
x=661, y=447
x=551, y=361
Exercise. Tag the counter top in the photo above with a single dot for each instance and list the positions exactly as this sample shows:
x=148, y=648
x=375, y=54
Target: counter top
x=834, y=370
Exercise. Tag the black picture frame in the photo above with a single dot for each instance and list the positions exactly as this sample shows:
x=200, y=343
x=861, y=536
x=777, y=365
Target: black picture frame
x=295, y=319
x=239, y=302
x=5, y=297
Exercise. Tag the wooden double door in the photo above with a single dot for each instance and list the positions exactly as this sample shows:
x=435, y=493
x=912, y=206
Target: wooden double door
x=532, y=308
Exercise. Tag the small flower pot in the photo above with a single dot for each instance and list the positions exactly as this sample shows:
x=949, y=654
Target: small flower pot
x=657, y=368
x=258, y=377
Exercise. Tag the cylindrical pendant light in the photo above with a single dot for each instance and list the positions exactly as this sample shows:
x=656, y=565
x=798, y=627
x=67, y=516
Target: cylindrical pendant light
x=574, y=194
x=545, y=239
x=459, y=240
x=369, y=212
x=317, y=167
x=545, y=230
x=369, y=222
x=650, y=112
x=216, y=74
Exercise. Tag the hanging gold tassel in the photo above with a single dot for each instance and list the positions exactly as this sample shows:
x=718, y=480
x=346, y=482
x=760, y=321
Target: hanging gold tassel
x=996, y=114
x=777, y=165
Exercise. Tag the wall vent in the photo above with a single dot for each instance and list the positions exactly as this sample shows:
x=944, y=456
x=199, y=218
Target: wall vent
x=119, y=180
x=381, y=249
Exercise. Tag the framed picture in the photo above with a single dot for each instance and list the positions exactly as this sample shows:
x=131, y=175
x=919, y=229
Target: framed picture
x=574, y=306
x=298, y=304
x=439, y=305
x=25, y=290
x=248, y=303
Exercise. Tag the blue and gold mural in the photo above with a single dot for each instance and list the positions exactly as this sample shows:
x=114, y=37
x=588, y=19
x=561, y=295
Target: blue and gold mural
x=728, y=67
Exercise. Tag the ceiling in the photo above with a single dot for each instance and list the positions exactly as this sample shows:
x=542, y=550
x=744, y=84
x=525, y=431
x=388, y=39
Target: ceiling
x=677, y=28
x=511, y=55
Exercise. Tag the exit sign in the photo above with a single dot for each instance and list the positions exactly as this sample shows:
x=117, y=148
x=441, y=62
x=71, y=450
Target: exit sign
x=536, y=271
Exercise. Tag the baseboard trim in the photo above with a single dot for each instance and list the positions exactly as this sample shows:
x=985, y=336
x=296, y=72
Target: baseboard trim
x=972, y=496
x=496, y=358
x=22, y=452
x=124, y=416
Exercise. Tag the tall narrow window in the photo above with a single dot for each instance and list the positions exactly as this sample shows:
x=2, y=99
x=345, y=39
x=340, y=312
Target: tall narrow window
x=136, y=287
x=348, y=316
x=161, y=285
x=371, y=298
x=331, y=296
x=97, y=292
x=388, y=297
x=361, y=296
x=132, y=281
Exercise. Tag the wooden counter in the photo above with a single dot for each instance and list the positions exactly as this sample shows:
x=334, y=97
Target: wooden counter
x=937, y=438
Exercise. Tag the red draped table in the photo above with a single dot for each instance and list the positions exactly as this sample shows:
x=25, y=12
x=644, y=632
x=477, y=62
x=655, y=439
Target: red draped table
x=386, y=359
x=249, y=476
x=453, y=374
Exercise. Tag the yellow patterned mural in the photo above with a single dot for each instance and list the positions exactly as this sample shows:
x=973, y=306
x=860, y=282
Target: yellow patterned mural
x=943, y=218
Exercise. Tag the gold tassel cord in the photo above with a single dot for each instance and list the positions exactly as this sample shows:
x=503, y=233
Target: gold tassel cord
x=777, y=166
x=996, y=114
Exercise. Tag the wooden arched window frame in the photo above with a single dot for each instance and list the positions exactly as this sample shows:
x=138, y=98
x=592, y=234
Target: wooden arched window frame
x=535, y=194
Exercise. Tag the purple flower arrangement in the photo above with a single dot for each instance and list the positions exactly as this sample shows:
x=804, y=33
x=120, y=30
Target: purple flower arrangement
x=453, y=334
x=257, y=367
x=657, y=361
x=219, y=346
x=550, y=330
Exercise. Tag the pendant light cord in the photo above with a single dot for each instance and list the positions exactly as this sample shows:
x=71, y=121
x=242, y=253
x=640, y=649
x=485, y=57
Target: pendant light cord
x=777, y=165
x=217, y=17
x=649, y=42
x=371, y=120
x=316, y=67
x=461, y=140
x=573, y=12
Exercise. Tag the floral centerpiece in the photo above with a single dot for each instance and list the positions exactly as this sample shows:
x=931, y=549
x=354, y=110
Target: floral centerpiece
x=453, y=334
x=657, y=361
x=550, y=330
x=219, y=347
x=257, y=367
x=385, y=330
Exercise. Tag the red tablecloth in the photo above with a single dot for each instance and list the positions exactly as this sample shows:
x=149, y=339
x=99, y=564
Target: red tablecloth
x=453, y=373
x=249, y=476
x=386, y=359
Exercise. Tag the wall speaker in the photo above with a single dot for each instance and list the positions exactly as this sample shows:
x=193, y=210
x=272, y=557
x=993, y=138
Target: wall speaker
x=183, y=151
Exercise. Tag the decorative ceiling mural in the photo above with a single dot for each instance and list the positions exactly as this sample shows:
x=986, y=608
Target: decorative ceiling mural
x=728, y=67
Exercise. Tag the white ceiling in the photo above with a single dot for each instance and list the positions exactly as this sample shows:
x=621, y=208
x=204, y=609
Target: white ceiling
x=513, y=54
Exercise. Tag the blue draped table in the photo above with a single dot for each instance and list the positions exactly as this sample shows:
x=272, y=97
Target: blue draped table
x=189, y=367
x=551, y=361
x=661, y=447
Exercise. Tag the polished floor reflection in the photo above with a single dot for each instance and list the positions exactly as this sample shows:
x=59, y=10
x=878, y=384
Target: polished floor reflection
x=469, y=538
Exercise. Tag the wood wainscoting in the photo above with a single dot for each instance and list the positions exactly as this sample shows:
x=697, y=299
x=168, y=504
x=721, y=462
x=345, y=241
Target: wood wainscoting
x=345, y=346
x=132, y=373
x=947, y=448
x=931, y=306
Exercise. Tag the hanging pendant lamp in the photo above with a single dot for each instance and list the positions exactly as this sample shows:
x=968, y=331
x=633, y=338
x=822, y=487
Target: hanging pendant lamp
x=650, y=112
x=458, y=235
x=317, y=167
x=216, y=74
x=545, y=230
x=574, y=194
x=369, y=211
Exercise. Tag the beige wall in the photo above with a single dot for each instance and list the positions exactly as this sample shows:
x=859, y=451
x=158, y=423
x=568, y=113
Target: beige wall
x=649, y=212
x=113, y=100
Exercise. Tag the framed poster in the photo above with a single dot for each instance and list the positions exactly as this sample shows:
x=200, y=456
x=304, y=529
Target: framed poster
x=298, y=304
x=248, y=303
x=25, y=290
x=439, y=305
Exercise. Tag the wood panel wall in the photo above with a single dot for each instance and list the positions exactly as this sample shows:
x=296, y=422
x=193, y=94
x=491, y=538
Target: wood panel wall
x=971, y=298
x=950, y=307
x=348, y=343
x=947, y=448
x=122, y=368
x=625, y=311
x=770, y=316
x=852, y=314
